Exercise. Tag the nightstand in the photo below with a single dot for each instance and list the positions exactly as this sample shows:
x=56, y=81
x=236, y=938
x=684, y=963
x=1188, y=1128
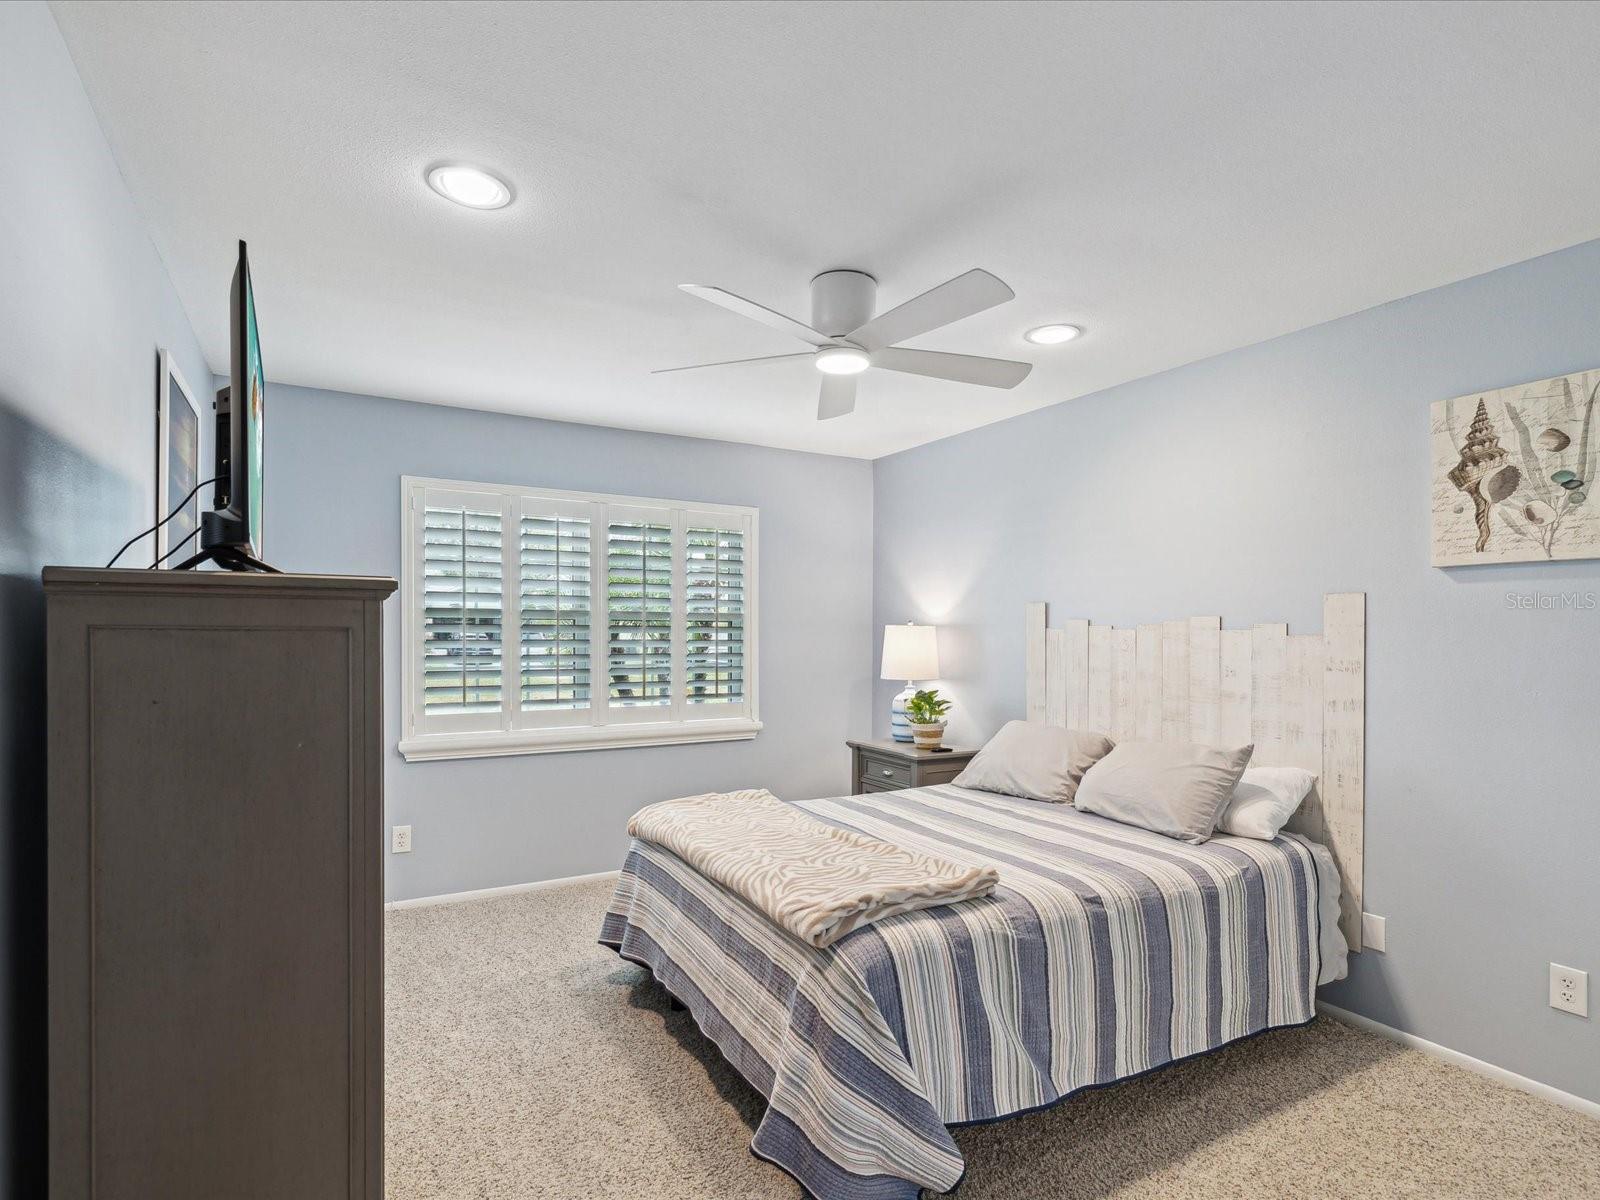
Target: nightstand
x=887, y=766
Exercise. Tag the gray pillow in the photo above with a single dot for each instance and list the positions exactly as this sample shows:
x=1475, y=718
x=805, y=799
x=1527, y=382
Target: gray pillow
x=1166, y=787
x=1037, y=762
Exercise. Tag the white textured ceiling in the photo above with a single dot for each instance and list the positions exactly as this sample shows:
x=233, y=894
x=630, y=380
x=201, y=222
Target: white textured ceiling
x=1180, y=179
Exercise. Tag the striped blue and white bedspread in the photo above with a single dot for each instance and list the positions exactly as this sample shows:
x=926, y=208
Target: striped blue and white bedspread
x=1105, y=951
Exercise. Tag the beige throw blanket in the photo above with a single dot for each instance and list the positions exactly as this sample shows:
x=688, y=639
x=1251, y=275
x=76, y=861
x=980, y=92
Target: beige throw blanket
x=814, y=880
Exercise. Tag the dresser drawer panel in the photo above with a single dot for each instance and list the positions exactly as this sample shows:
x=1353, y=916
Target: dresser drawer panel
x=939, y=772
x=870, y=785
x=885, y=771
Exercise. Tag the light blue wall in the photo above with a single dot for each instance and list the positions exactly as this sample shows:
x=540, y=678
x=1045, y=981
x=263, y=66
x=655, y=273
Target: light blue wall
x=1250, y=484
x=85, y=303
x=333, y=468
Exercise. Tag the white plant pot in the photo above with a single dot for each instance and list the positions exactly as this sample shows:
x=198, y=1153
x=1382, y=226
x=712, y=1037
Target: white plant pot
x=927, y=737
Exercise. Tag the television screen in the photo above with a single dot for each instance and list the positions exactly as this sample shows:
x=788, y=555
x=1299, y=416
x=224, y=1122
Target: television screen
x=230, y=534
x=250, y=412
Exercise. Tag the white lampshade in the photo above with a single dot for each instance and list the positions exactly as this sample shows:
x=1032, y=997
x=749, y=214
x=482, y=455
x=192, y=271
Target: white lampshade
x=910, y=652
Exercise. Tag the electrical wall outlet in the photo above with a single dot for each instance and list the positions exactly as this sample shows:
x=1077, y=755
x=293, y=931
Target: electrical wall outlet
x=400, y=841
x=1372, y=932
x=1569, y=989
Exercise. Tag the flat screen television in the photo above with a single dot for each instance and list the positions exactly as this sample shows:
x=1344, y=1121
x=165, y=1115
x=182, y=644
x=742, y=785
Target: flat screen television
x=231, y=533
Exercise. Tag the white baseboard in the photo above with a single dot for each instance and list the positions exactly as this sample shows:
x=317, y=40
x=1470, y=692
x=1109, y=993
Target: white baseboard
x=1522, y=1083
x=510, y=889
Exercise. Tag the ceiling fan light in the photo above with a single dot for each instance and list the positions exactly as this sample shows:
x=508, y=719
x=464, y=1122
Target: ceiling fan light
x=1052, y=335
x=842, y=360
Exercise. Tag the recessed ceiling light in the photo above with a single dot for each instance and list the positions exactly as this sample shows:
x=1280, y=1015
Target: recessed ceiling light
x=469, y=186
x=1052, y=335
x=842, y=360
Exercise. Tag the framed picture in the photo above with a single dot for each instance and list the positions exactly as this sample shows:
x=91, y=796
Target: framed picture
x=1513, y=469
x=177, y=458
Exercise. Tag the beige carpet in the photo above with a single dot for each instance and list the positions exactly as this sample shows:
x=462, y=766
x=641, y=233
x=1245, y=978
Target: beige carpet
x=526, y=1061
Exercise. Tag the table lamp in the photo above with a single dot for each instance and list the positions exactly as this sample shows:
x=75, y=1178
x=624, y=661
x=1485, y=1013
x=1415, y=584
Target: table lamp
x=910, y=652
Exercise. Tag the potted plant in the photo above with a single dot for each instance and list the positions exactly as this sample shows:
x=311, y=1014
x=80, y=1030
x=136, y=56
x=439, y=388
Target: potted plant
x=925, y=713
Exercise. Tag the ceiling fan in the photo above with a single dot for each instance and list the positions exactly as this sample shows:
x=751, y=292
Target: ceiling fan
x=848, y=339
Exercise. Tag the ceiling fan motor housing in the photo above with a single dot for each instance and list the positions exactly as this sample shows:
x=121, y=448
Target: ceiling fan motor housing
x=842, y=301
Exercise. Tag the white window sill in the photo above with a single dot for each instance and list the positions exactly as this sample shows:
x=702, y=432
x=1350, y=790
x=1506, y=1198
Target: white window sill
x=498, y=743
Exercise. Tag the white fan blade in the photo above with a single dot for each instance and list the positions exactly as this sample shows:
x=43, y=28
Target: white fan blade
x=962, y=368
x=960, y=297
x=838, y=396
x=732, y=362
x=756, y=312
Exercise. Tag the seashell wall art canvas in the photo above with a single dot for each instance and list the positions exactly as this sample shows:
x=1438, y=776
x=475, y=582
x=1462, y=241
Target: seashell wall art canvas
x=1514, y=473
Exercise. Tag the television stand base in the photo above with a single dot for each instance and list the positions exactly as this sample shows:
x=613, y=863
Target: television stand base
x=229, y=558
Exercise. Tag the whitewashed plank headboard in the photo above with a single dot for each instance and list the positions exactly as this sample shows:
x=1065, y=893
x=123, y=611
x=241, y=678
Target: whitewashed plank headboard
x=1301, y=699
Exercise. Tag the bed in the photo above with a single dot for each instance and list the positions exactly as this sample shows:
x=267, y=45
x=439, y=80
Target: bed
x=1106, y=951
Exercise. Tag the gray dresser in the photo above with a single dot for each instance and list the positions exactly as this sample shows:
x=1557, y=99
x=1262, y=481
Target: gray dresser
x=215, y=886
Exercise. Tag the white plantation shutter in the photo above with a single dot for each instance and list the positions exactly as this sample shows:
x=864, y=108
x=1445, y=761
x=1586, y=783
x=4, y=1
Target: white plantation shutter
x=555, y=567
x=539, y=620
x=462, y=626
x=639, y=571
x=714, y=615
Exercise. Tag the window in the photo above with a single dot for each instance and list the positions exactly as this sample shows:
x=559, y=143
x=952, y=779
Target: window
x=537, y=620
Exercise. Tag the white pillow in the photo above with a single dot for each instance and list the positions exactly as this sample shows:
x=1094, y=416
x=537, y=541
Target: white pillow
x=1264, y=800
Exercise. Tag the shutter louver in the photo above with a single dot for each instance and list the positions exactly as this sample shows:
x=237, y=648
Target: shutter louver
x=461, y=611
x=714, y=599
x=639, y=611
x=555, y=565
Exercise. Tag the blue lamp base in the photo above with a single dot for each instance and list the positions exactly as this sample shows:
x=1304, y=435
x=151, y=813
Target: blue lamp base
x=899, y=723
